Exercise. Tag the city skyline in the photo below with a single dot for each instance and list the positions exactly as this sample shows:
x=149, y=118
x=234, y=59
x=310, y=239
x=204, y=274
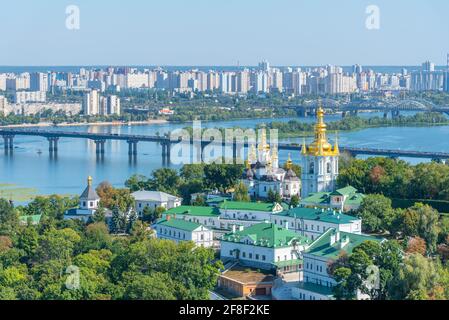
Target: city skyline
x=179, y=34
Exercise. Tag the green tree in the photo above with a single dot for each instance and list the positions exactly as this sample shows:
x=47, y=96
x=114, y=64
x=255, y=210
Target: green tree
x=376, y=213
x=8, y=218
x=422, y=221
x=273, y=196
x=99, y=215
x=57, y=245
x=166, y=180
x=157, y=286
x=294, y=201
x=241, y=193
x=28, y=240
x=136, y=183
x=96, y=237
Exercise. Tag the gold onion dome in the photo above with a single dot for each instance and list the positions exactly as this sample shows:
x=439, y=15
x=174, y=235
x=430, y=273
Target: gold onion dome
x=320, y=146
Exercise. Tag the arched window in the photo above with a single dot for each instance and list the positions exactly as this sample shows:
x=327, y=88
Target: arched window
x=312, y=168
x=329, y=167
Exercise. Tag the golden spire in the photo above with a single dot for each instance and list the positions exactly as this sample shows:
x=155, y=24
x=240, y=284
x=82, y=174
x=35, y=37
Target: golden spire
x=320, y=146
x=89, y=181
x=263, y=145
x=304, y=147
x=336, y=147
x=289, y=162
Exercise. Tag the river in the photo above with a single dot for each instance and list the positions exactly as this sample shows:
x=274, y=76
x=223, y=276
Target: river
x=27, y=167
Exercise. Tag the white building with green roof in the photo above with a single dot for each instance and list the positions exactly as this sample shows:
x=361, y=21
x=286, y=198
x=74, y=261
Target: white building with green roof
x=252, y=211
x=265, y=246
x=345, y=199
x=313, y=222
x=317, y=283
x=154, y=199
x=178, y=230
x=227, y=214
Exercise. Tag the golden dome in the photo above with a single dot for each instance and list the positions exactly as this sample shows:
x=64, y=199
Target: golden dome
x=320, y=146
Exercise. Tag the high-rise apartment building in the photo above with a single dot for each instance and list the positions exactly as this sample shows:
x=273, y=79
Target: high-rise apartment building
x=3, y=105
x=2, y=82
x=427, y=79
x=38, y=81
x=243, y=82
x=137, y=80
x=91, y=103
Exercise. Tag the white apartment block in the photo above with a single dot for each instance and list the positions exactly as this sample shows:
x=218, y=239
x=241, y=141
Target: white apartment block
x=91, y=103
x=137, y=80
x=2, y=82
x=3, y=105
x=30, y=96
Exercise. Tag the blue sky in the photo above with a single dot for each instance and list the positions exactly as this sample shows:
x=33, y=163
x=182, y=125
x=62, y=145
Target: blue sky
x=223, y=32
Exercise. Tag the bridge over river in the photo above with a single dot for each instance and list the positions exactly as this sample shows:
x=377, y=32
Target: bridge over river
x=53, y=137
x=393, y=106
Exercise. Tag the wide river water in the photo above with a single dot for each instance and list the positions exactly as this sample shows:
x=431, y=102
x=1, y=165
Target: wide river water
x=66, y=174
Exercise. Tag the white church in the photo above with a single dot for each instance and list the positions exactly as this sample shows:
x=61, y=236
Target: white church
x=319, y=162
x=263, y=173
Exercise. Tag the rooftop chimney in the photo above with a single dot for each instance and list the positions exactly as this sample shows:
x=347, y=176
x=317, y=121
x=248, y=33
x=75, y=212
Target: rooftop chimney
x=168, y=217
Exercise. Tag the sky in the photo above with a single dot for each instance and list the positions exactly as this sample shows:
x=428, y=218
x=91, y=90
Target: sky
x=223, y=32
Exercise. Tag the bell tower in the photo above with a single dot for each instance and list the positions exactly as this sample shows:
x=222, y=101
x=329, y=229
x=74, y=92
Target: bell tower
x=319, y=161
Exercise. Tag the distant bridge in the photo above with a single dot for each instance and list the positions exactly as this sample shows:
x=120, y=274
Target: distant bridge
x=166, y=143
x=385, y=106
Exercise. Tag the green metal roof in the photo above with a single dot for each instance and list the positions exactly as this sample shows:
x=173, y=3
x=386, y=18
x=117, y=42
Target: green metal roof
x=347, y=191
x=323, y=198
x=250, y=206
x=195, y=211
x=35, y=219
x=355, y=199
x=179, y=224
x=322, y=246
x=325, y=215
x=268, y=235
x=317, y=198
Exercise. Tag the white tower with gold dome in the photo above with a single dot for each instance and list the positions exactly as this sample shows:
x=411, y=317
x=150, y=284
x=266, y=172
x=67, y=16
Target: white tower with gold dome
x=319, y=161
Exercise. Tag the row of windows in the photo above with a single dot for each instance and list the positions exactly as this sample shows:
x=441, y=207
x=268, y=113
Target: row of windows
x=91, y=203
x=306, y=226
x=178, y=234
x=319, y=282
x=173, y=234
x=257, y=257
x=309, y=266
x=328, y=168
x=260, y=257
x=303, y=296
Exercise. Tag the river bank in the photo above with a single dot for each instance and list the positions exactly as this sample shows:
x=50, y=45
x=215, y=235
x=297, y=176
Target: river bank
x=78, y=124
